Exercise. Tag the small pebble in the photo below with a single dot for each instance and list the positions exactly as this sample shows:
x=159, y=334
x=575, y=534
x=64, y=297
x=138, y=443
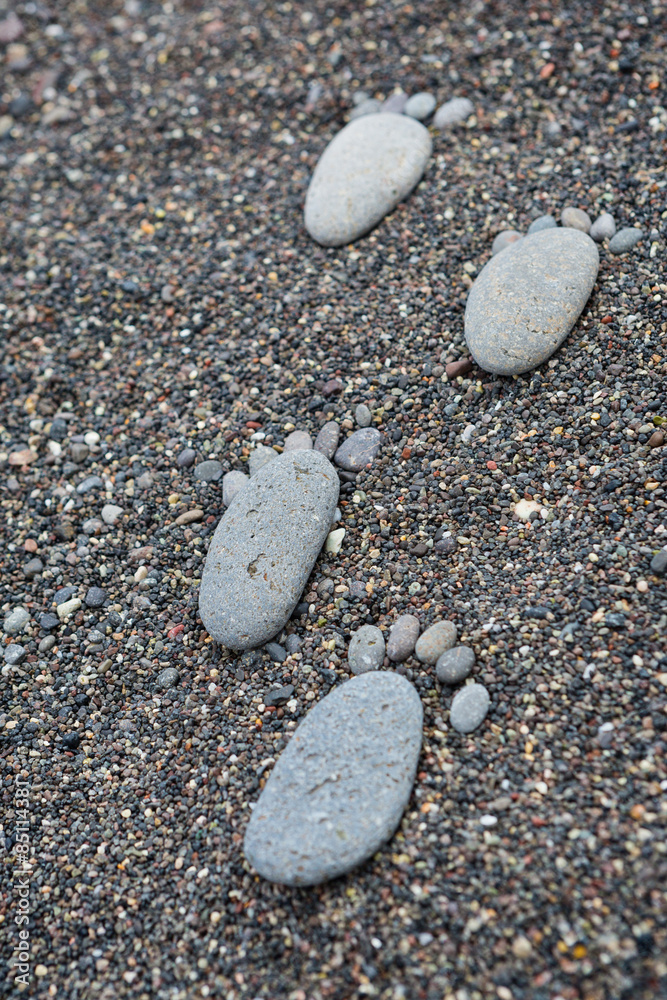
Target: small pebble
x=504, y=239
x=625, y=239
x=402, y=638
x=603, y=228
x=33, y=568
x=95, y=598
x=453, y=112
x=47, y=643
x=366, y=650
x=278, y=696
x=68, y=608
x=455, y=664
x=167, y=678
x=544, y=222
x=16, y=621
x=575, y=218
x=208, y=472
x=88, y=484
x=334, y=541
x=14, y=654
x=434, y=641
x=395, y=104
x=359, y=450
x=277, y=653
x=186, y=458
x=111, y=513
x=658, y=566
x=326, y=441
x=363, y=415
x=369, y=107
x=420, y=106
x=293, y=643
x=469, y=708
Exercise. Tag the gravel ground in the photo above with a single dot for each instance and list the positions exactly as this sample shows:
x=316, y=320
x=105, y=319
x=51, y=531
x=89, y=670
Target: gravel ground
x=159, y=291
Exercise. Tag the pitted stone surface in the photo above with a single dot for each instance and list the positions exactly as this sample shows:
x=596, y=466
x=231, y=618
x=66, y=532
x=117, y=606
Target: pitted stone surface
x=359, y=450
x=340, y=787
x=232, y=483
x=254, y=573
x=259, y=458
x=527, y=299
x=365, y=171
x=366, y=649
x=434, y=641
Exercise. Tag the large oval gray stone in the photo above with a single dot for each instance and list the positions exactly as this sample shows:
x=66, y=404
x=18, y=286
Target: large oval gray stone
x=340, y=787
x=371, y=165
x=265, y=547
x=527, y=299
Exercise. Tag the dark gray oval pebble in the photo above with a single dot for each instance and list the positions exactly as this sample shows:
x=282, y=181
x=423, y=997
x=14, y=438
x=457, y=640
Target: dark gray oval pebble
x=359, y=450
x=469, y=708
x=326, y=441
x=167, y=678
x=455, y=664
x=366, y=649
x=338, y=791
x=402, y=638
x=95, y=597
x=208, y=472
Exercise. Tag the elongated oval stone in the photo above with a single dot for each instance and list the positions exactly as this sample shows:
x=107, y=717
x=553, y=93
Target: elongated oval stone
x=340, y=787
x=371, y=165
x=526, y=300
x=265, y=547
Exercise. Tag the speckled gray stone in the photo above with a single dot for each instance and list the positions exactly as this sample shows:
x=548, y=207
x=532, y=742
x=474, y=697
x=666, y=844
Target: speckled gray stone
x=208, y=472
x=434, y=641
x=167, y=678
x=455, y=664
x=255, y=573
x=453, y=112
x=402, y=638
x=625, y=239
x=366, y=649
x=371, y=165
x=16, y=621
x=505, y=239
x=469, y=708
x=368, y=107
x=420, y=106
x=326, y=441
x=298, y=441
x=358, y=450
x=575, y=218
x=363, y=415
x=339, y=789
x=259, y=458
x=14, y=654
x=526, y=300
x=544, y=222
x=603, y=228
x=232, y=483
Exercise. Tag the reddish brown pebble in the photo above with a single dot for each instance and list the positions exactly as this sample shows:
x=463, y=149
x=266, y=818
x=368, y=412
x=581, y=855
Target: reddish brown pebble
x=460, y=367
x=491, y=465
x=24, y=457
x=656, y=440
x=189, y=516
x=30, y=545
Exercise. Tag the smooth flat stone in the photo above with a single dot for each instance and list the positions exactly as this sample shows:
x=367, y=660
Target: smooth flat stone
x=298, y=441
x=365, y=171
x=255, y=571
x=366, y=649
x=402, y=638
x=575, y=218
x=358, y=450
x=232, y=483
x=526, y=300
x=326, y=441
x=395, y=103
x=603, y=228
x=455, y=664
x=544, y=222
x=625, y=239
x=453, y=112
x=420, y=106
x=111, y=512
x=469, y=708
x=259, y=458
x=434, y=641
x=208, y=472
x=339, y=789
x=505, y=239
x=363, y=415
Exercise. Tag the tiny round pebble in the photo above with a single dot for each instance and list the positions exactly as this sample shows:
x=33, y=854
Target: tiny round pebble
x=208, y=472
x=167, y=678
x=94, y=598
x=603, y=228
x=363, y=415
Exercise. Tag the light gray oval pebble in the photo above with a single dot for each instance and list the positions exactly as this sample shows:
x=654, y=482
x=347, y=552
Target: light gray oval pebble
x=358, y=450
x=338, y=791
x=434, y=641
x=259, y=458
x=544, y=222
x=453, y=112
x=208, y=472
x=298, y=441
x=395, y=103
x=526, y=300
x=371, y=165
x=455, y=664
x=366, y=649
x=505, y=239
x=402, y=638
x=368, y=107
x=420, y=106
x=603, y=228
x=363, y=415
x=111, y=512
x=232, y=483
x=16, y=621
x=469, y=708
x=625, y=239
x=575, y=218
x=326, y=441
x=255, y=573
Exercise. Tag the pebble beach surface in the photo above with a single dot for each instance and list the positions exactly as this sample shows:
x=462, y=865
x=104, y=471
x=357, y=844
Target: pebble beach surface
x=163, y=308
